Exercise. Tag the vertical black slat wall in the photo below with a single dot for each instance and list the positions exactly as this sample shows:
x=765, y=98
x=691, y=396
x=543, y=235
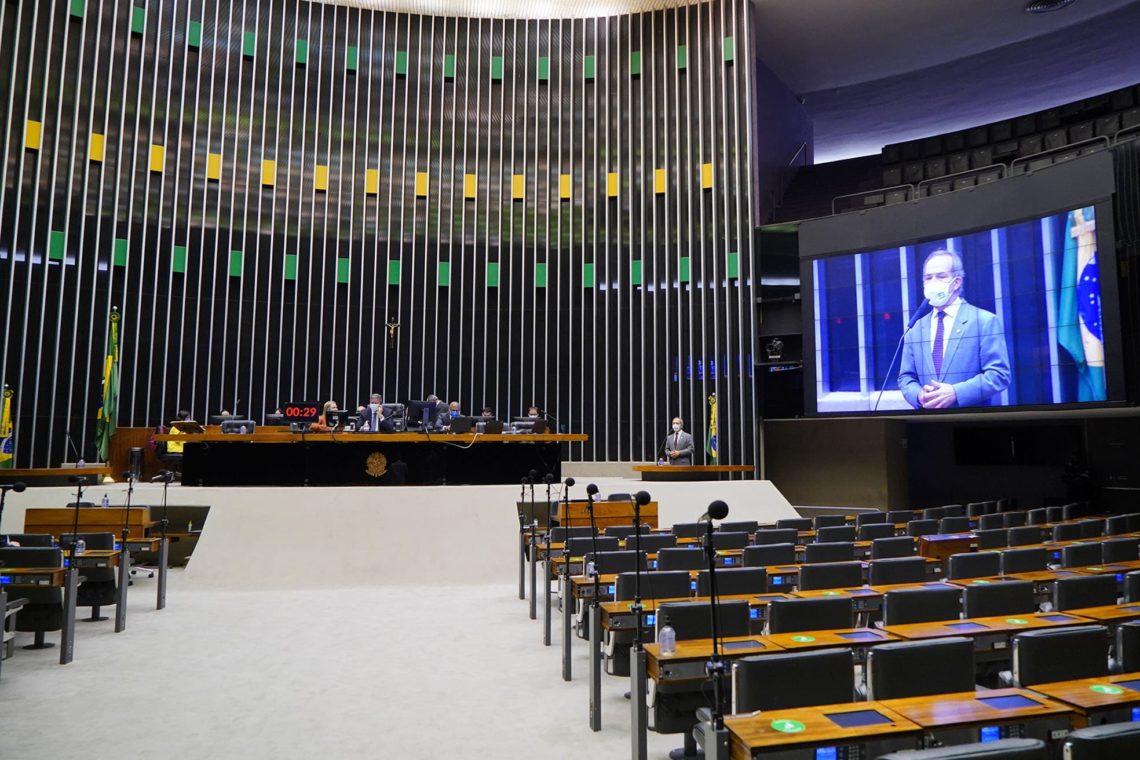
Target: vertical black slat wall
x=553, y=212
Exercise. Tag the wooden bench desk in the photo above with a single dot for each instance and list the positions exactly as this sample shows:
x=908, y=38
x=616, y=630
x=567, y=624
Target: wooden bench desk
x=983, y=716
x=877, y=729
x=1000, y=625
x=1109, y=614
x=1111, y=699
x=15, y=578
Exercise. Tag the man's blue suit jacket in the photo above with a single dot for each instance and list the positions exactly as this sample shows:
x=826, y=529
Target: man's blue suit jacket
x=976, y=361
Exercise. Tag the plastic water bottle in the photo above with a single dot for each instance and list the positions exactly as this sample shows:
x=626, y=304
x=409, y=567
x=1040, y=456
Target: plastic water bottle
x=667, y=640
x=106, y=501
x=590, y=569
x=80, y=546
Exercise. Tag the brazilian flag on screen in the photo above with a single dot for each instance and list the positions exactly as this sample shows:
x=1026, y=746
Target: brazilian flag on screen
x=109, y=406
x=1079, y=326
x=6, y=445
x=710, y=442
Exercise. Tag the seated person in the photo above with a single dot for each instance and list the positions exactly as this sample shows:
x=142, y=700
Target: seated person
x=487, y=412
x=322, y=424
x=533, y=412
x=452, y=412
x=371, y=418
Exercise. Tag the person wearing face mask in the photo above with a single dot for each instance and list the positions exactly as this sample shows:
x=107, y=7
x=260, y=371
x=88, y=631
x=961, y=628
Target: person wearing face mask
x=323, y=423
x=678, y=445
x=956, y=356
x=372, y=417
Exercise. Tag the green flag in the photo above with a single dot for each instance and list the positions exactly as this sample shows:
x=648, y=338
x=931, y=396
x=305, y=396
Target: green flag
x=108, y=408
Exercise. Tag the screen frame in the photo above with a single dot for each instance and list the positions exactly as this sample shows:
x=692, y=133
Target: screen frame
x=1085, y=181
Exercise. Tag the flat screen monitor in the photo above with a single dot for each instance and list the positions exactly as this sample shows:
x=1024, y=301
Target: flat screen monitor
x=337, y=419
x=422, y=413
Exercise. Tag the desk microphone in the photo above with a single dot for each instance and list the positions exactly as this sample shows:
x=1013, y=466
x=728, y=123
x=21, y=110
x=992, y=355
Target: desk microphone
x=717, y=510
x=74, y=449
x=19, y=486
x=923, y=309
x=164, y=476
x=569, y=482
x=80, y=479
x=714, y=668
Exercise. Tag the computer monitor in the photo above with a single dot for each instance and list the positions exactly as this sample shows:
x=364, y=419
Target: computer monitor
x=336, y=418
x=422, y=413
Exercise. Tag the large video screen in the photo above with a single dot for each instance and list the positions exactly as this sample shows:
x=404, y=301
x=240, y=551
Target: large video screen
x=1011, y=316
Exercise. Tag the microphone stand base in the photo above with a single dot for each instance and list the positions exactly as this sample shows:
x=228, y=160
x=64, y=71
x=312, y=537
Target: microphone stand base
x=713, y=742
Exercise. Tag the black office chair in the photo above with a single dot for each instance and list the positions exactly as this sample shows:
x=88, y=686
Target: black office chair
x=896, y=546
x=652, y=542
x=1050, y=655
x=1079, y=591
x=870, y=518
x=745, y=526
x=991, y=522
x=1026, y=535
x=997, y=538
x=737, y=540
x=1081, y=555
x=1002, y=749
x=916, y=528
x=1126, y=648
x=933, y=513
x=884, y=572
x=688, y=530
x=43, y=611
x=953, y=510
x=838, y=533
x=831, y=575
x=1038, y=516
x=794, y=615
x=1014, y=519
x=921, y=605
x=769, y=554
x=1109, y=742
x=1092, y=528
x=663, y=584
x=954, y=524
x=31, y=540
x=1132, y=587
x=1067, y=532
x=693, y=620
x=798, y=679
x=579, y=546
x=975, y=509
x=1000, y=598
x=836, y=551
x=619, y=497
x=681, y=558
x=559, y=535
x=1073, y=511
x=1028, y=560
x=900, y=516
x=616, y=562
x=734, y=580
x=946, y=665
x=98, y=587
x=624, y=531
x=828, y=521
x=1117, y=524
x=973, y=565
x=798, y=523
x=776, y=536
x=1055, y=514
x=871, y=531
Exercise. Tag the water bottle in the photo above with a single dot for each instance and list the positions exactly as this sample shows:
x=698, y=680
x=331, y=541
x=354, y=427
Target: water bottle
x=106, y=501
x=661, y=461
x=667, y=640
x=590, y=569
x=80, y=546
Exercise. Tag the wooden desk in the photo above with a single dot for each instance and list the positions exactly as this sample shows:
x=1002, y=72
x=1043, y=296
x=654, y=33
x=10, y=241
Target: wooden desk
x=53, y=476
x=659, y=472
x=814, y=728
x=941, y=546
x=606, y=513
x=967, y=717
x=50, y=577
x=858, y=639
x=1109, y=614
x=617, y=615
x=59, y=520
x=1004, y=625
x=1110, y=699
x=686, y=666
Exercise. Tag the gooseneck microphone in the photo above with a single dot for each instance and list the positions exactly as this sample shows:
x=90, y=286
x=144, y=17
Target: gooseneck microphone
x=569, y=482
x=717, y=510
x=923, y=309
x=19, y=486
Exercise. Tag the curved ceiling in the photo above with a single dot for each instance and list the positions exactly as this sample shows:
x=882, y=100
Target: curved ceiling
x=516, y=8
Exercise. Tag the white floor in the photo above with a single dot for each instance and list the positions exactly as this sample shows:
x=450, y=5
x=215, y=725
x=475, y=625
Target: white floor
x=424, y=672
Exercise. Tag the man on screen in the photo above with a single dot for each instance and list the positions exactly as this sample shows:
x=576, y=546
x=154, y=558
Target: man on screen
x=956, y=356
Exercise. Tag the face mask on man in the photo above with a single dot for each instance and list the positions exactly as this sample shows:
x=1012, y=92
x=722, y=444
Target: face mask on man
x=374, y=407
x=937, y=292
x=676, y=428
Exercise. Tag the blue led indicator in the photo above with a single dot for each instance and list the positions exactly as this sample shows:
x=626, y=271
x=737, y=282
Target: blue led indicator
x=8, y=579
x=1136, y=713
x=728, y=561
x=827, y=753
x=991, y=733
x=753, y=613
x=611, y=588
x=651, y=619
x=777, y=580
x=692, y=585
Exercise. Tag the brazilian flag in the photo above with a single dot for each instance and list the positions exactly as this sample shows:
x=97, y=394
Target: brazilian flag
x=108, y=408
x=710, y=442
x=7, y=456
x=1079, y=327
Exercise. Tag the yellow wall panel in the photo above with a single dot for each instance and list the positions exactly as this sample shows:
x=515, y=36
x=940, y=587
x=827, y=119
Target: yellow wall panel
x=268, y=173
x=321, y=177
x=706, y=176
x=214, y=166
x=157, y=158
x=518, y=186
x=33, y=134
x=470, y=186
x=372, y=181
x=613, y=183
x=564, y=186
x=421, y=184
x=96, y=147
x=658, y=180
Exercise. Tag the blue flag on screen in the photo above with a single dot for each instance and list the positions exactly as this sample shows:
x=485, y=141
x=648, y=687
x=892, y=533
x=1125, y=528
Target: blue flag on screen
x=1079, y=329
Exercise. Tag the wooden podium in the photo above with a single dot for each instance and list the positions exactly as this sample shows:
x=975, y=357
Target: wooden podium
x=691, y=471
x=606, y=513
x=60, y=520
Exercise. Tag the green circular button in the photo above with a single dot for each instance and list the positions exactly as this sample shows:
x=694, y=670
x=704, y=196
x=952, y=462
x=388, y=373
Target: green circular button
x=979, y=581
x=787, y=726
x=1096, y=569
x=1017, y=621
x=831, y=593
x=1103, y=689
x=803, y=639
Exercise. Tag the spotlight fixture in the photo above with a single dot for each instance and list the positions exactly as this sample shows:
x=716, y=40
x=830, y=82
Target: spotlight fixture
x=1047, y=6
